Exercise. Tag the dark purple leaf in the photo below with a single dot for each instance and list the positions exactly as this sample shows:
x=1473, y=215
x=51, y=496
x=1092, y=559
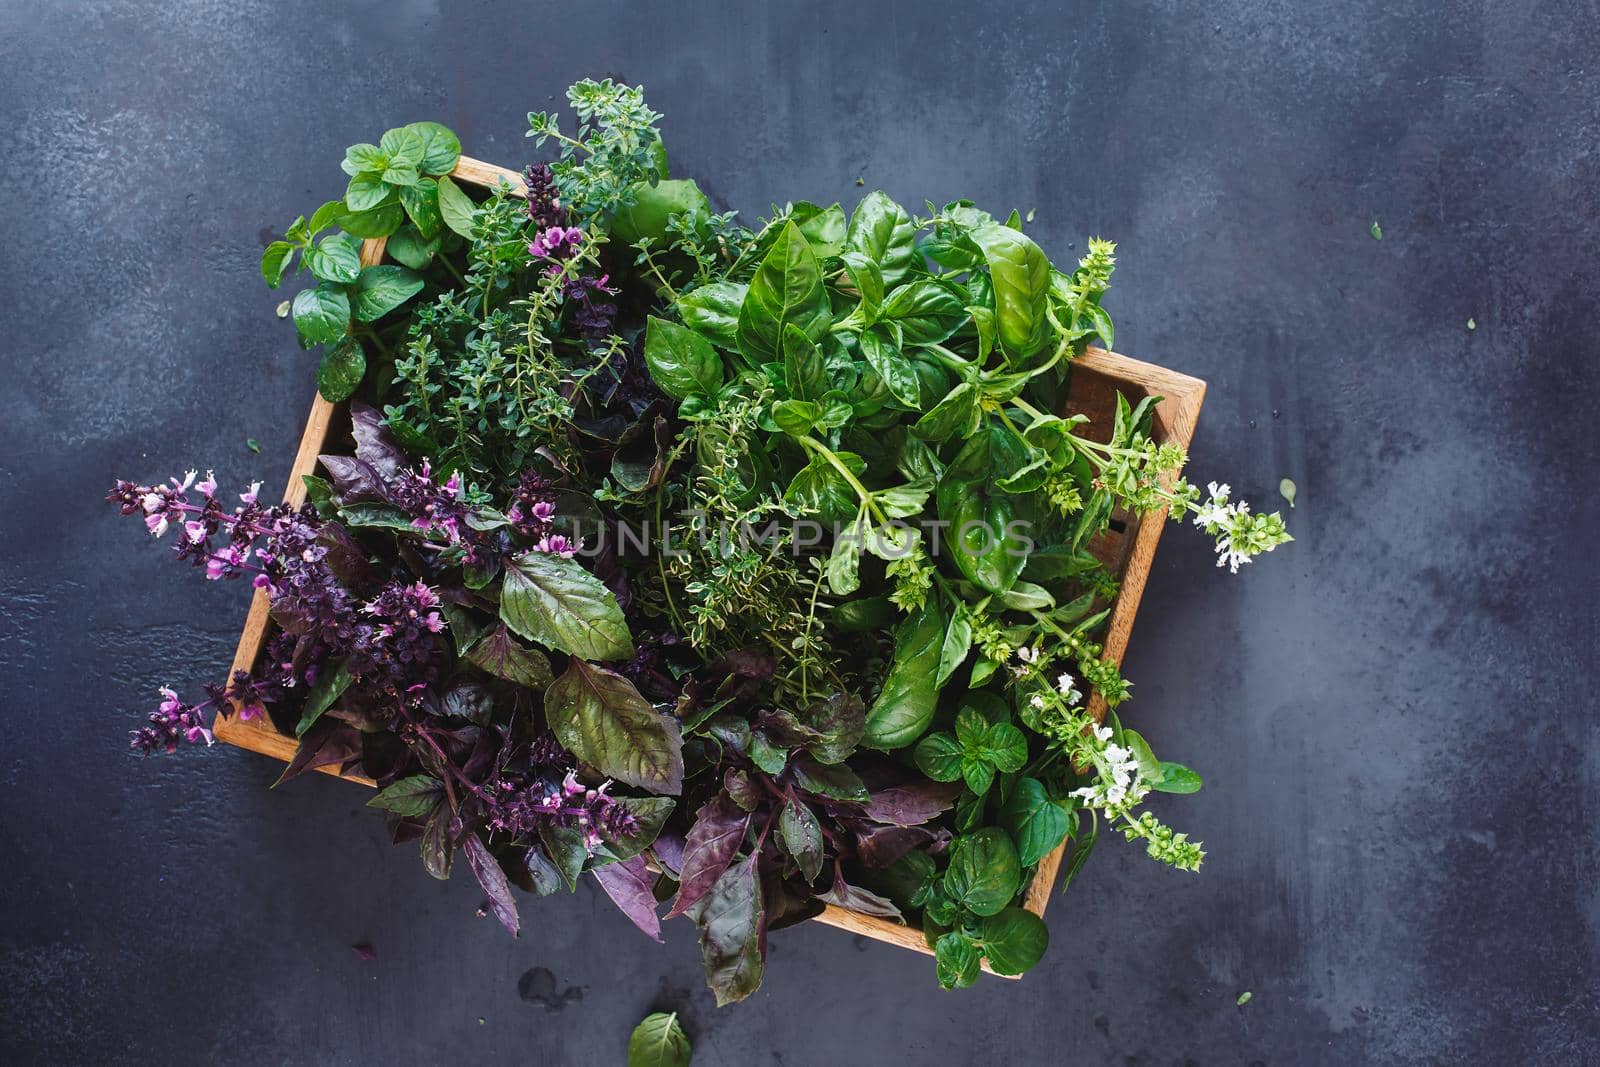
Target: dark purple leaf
x=438, y=847
x=834, y=781
x=364, y=951
x=354, y=481
x=863, y=901
x=630, y=884
x=713, y=841
x=464, y=699
x=326, y=743
x=801, y=836
x=733, y=926
x=493, y=880
x=374, y=444
x=502, y=655
x=913, y=804
x=880, y=846
x=346, y=559
x=837, y=724
x=668, y=851
x=741, y=789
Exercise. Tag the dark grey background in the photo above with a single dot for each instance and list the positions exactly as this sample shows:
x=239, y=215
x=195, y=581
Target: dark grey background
x=1395, y=714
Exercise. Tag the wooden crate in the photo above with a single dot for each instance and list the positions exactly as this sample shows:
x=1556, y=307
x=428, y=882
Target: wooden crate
x=1127, y=549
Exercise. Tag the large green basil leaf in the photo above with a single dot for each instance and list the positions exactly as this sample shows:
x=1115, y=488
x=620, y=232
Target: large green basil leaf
x=731, y=926
x=337, y=258
x=1014, y=940
x=819, y=485
x=1036, y=822
x=957, y=415
x=988, y=529
x=881, y=230
x=926, y=311
x=653, y=205
x=713, y=311
x=957, y=960
x=787, y=290
x=553, y=600
x=380, y=221
x=905, y=706
x=893, y=367
x=680, y=360
x=823, y=227
x=441, y=149
x=382, y=289
x=984, y=873
x=321, y=314
x=1020, y=272
x=601, y=718
x=455, y=207
x=805, y=373
x=868, y=279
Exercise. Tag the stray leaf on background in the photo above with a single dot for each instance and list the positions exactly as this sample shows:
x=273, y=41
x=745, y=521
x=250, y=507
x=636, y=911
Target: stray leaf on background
x=1288, y=489
x=253, y=445
x=1377, y=231
x=1472, y=324
x=659, y=1041
x=283, y=310
x=1244, y=998
x=1029, y=216
x=861, y=181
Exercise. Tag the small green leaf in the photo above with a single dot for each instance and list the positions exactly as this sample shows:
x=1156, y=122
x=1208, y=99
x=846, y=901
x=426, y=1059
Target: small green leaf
x=421, y=202
x=1244, y=998
x=404, y=146
x=275, y=262
x=659, y=1041
x=377, y=222
x=324, y=216
x=1014, y=940
x=938, y=756
x=455, y=207
x=253, y=445
x=1377, y=231
x=680, y=360
x=1472, y=324
x=343, y=365
x=1288, y=491
x=337, y=258
x=412, y=797
x=441, y=149
x=1176, y=778
x=407, y=246
x=366, y=192
x=957, y=960
x=330, y=685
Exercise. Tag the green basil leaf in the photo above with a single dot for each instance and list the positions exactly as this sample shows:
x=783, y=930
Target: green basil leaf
x=905, y=706
x=805, y=373
x=1020, y=272
x=412, y=797
x=421, y=202
x=1035, y=821
x=844, y=564
x=1101, y=322
x=1176, y=778
x=404, y=146
x=502, y=656
x=984, y=873
x=455, y=207
x=441, y=149
x=823, y=227
x=407, y=246
x=321, y=314
x=926, y=311
x=343, y=365
x=801, y=836
x=893, y=367
x=796, y=417
x=988, y=530
x=938, y=756
x=680, y=360
x=819, y=486
x=653, y=205
x=978, y=775
x=957, y=415
x=659, y=1041
x=337, y=258
x=786, y=290
x=378, y=222
x=1005, y=747
x=554, y=601
x=957, y=960
x=600, y=717
x=868, y=280
x=713, y=311
x=957, y=643
x=275, y=262
x=881, y=230
x=1014, y=940
x=366, y=192
x=363, y=159
x=330, y=685
x=381, y=289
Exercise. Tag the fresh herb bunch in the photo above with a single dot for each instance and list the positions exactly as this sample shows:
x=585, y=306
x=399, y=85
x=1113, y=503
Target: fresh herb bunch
x=753, y=570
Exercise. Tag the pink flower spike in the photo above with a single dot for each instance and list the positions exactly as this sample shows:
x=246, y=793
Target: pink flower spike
x=453, y=485
x=157, y=524
x=169, y=700
x=196, y=530
x=434, y=622
x=250, y=497
x=208, y=487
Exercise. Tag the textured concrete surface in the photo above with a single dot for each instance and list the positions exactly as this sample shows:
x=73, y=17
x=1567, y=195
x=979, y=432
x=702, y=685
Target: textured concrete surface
x=1395, y=715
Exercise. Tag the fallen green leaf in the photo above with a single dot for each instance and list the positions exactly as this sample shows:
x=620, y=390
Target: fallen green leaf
x=1472, y=324
x=1244, y=998
x=1377, y=231
x=283, y=310
x=253, y=445
x=1287, y=488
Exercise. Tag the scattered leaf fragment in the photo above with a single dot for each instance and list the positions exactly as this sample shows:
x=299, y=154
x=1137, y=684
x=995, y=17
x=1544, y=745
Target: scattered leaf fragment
x=659, y=1041
x=861, y=181
x=253, y=445
x=283, y=310
x=1377, y=231
x=364, y=951
x=1244, y=998
x=1472, y=324
x=1029, y=216
x=1288, y=489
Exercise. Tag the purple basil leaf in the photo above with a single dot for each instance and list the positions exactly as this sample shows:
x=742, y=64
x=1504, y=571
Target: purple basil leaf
x=880, y=846
x=668, y=851
x=913, y=804
x=864, y=901
x=354, y=480
x=374, y=444
x=326, y=742
x=836, y=724
x=503, y=655
x=493, y=880
x=733, y=929
x=713, y=841
x=346, y=559
x=437, y=847
x=630, y=884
